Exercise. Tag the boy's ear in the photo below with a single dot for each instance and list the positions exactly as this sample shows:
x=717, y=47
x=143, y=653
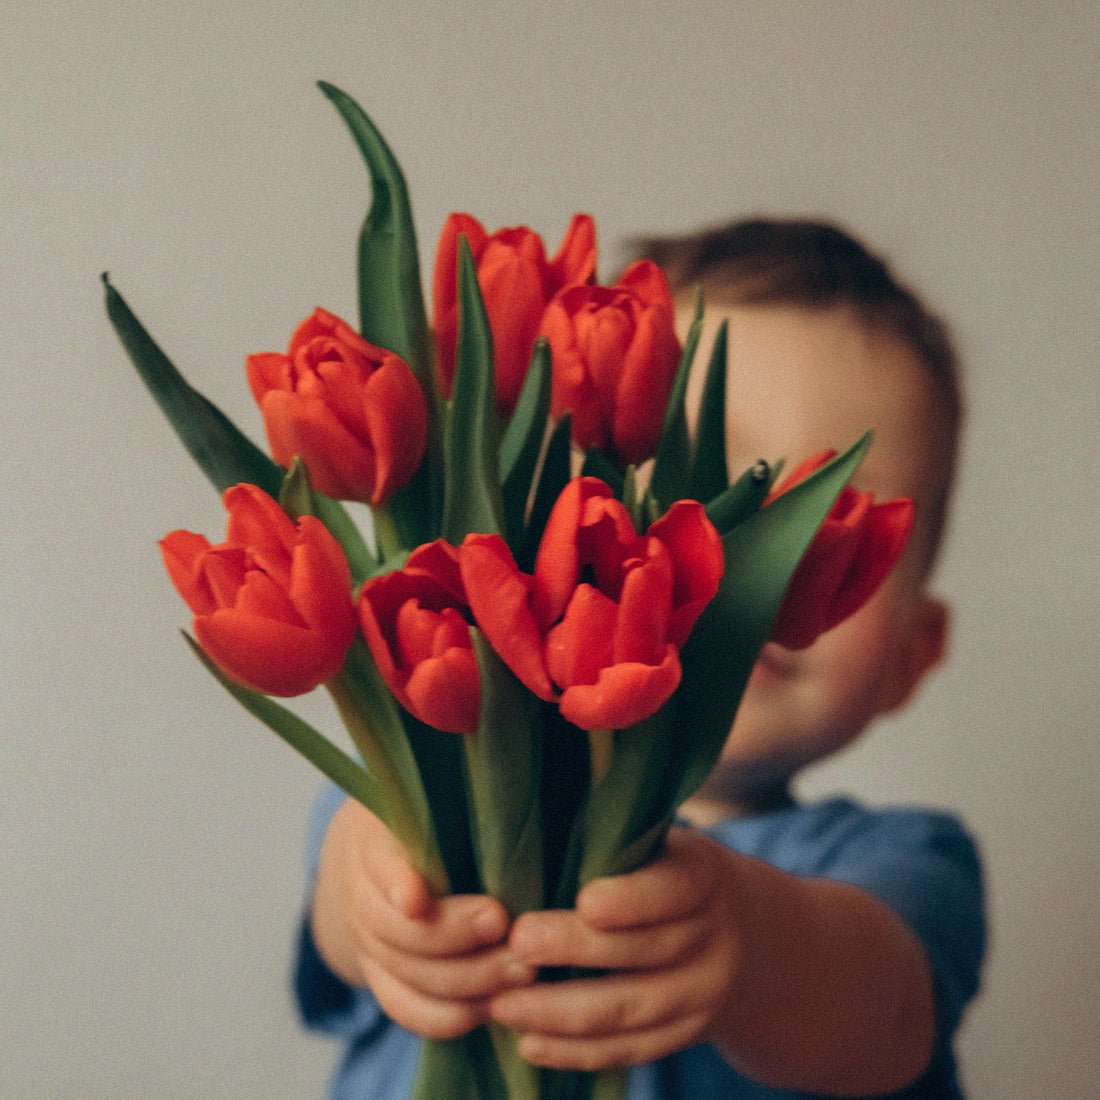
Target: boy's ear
x=923, y=650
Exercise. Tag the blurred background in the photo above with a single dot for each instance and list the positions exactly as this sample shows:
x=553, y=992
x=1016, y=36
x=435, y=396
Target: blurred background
x=151, y=879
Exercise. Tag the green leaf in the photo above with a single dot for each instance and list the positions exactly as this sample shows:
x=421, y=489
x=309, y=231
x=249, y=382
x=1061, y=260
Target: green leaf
x=440, y=757
x=709, y=474
x=597, y=464
x=502, y=759
x=222, y=452
x=315, y=747
x=463, y=1069
x=391, y=308
x=741, y=499
x=671, y=466
x=471, y=500
x=553, y=477
x=375, y=724
x=391, y=301
x=660, y=762
x=522, y=442
x=297, y=497
x=761, y=555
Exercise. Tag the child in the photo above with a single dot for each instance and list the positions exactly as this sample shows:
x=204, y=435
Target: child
x=821, y=949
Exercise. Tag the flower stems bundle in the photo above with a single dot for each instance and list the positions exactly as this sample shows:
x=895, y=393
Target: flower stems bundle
x=536, y=669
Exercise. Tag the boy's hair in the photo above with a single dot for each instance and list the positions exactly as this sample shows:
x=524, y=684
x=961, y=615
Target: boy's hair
x=817, y=265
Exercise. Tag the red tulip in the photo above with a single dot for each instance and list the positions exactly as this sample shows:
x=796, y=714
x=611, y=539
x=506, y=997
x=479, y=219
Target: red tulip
x=516, y=282
x=414, y=621
x=355, y=413
x=615, y=357
x=850, y=556
x=272, y=603
x=599, y=624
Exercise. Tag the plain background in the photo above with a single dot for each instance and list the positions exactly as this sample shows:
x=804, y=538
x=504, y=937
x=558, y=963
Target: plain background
x=151, y=879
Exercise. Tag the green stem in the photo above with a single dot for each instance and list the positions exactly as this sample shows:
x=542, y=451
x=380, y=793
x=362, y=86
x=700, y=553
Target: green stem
x=411, y=827
x=602, y=747
x=386, y=536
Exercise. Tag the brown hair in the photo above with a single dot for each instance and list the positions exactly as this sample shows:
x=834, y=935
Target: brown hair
x=817, y=265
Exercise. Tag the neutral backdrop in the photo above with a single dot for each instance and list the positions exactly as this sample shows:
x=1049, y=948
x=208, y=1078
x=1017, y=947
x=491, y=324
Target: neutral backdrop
x=151, y=880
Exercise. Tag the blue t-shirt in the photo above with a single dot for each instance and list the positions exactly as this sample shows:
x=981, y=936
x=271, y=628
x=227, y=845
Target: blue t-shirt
x=920, y=863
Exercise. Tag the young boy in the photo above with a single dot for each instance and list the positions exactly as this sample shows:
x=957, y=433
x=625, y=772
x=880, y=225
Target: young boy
x=775, y=948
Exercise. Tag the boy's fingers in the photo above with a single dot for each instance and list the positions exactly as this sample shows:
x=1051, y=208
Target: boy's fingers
x=427, y=1016
x=454, y=926
x=561, y=937
x=611, y=1008
x=614, y=1050
x=670, y=888
x=381, y=857
x=466, y=978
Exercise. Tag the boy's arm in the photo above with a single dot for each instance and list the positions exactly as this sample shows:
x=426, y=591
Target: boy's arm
x=431, y=963
x=802, y=983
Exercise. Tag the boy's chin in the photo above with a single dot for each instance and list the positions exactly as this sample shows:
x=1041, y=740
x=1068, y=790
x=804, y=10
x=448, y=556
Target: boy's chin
x=742, y=786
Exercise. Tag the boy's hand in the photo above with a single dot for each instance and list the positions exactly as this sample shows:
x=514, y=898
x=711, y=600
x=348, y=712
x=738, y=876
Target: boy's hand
x=669, y=934
x=432, y=963
x=801, y=983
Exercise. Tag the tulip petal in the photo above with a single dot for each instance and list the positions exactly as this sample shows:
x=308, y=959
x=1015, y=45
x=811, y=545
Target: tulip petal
x=445, y=692
x=396, y=419
x=500, y=599
x=696, y=549
x=320, y=583
x=273, y=657
x=575, y=260
x=182, y=552
x=645, y=607
x=622, y=694
x=255, y=519
x=581, y=644
x=339, y=464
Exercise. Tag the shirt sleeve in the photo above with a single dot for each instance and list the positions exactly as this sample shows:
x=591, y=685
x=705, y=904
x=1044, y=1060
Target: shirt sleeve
x=926, y=868
x=922, y=864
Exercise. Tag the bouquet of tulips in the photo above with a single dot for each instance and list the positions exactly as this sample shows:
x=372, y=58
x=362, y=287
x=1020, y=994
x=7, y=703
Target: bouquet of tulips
x=539, y=649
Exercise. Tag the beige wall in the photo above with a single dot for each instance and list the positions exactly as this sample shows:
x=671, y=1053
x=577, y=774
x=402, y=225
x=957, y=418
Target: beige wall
x=151, y=831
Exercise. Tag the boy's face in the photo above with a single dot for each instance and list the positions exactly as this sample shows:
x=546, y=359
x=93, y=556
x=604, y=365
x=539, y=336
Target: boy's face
x=800, y=381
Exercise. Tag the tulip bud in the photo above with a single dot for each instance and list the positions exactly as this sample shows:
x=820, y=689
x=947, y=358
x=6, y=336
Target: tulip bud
x=516, y=282
x=615, y=356
x=850, y=556
x=272, y=603
x=354, y=413
x=414, y=621
x=599, y=625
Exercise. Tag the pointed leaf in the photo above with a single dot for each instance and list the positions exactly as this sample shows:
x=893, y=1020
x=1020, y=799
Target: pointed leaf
x=391, y=308
x=315, y=747
x=741, y=499
x=223, y=453
x=522, y=442
x=391, y=299
x=671, y=465
x=709, y=474
x=471, y=499
x=656, y=766
x=761, y=556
